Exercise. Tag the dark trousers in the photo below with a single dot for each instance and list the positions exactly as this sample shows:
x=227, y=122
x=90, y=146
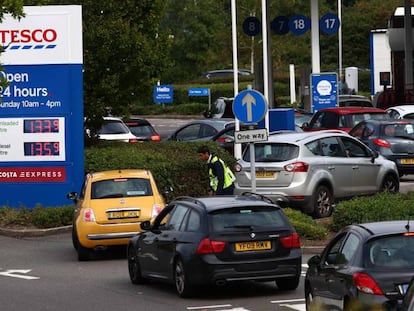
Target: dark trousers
x=227, y=191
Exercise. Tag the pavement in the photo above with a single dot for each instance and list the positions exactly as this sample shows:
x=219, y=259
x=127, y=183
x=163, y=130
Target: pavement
x=34, y=232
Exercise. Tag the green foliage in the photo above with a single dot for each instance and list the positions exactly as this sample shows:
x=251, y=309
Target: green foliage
x=305, y=225
x=40, y=217
x=382, y=206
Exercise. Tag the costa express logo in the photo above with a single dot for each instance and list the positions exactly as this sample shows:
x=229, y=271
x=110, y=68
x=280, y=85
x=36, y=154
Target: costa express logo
x=25, y=39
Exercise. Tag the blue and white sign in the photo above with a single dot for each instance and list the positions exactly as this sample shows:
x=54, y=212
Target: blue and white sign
x=163, y=94
x=329, y=23
x=249, y=106
x=199, y=91
x=299, y=24
x=324, y=90
x=41, y=112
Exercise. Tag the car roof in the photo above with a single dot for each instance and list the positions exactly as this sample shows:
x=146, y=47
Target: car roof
x=388, y=121
x=351, y=110
x=211, y=204
x=353, y=97
x=386, y=227
x=294, y=137
x=127, y=173
x=112, y=119
x=402, y=108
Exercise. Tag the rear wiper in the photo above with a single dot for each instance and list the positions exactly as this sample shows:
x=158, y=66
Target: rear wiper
x=112, y=195
x=240, y=227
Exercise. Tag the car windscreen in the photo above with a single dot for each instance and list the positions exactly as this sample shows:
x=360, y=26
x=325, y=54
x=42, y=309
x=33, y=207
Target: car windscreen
x=121, y=187
x=141, y=130
x=248, y=218
x=272, y=152
x=392, y=252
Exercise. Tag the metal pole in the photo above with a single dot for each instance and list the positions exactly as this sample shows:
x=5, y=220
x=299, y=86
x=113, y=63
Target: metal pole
x=340, y=37
x=265, y=61
x=237, y=147
x=316, y=62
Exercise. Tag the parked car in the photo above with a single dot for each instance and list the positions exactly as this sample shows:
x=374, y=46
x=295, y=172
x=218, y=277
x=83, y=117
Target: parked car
x=200, y=130
x=302, y=117
x=225, y=73
x=313, y=170
x=407, y=303
x=115, y=129
x=110, y=207
x=342, y=118
x=142, y=129
x=354, y=101
x=401, y=111
x=362, y=267
x=214, y=241
x=393, y=139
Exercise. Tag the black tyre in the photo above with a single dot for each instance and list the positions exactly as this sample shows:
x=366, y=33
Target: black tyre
x=288, y=283
x=390, y=184
x=182, y=285
x=323, y=202
x=134, y=268
x=84, y=254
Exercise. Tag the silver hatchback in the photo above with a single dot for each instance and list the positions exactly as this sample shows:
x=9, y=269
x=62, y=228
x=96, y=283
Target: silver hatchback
x=313, y=170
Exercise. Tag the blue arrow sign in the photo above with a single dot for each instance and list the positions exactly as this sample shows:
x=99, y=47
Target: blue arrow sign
x=249, y=106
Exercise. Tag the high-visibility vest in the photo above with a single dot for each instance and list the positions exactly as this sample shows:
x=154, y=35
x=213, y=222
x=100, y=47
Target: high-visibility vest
x=229, y=177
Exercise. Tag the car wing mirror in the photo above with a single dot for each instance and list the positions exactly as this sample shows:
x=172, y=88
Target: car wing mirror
x=314, y=260
x=375, y=155
x=145, y=225
x=72, y=196
x=305, y=125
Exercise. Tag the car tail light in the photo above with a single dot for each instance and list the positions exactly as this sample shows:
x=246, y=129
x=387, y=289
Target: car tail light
x=156, y=209
x=237, y=167
x=297, y=167
x=224, y=140
x=366, y=284
x=88, y=215
x=381, y=143
x=208, y=246
x=156, y=137
x=290, y=241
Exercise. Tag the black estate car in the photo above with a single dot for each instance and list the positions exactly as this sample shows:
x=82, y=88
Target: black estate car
x=216, y=240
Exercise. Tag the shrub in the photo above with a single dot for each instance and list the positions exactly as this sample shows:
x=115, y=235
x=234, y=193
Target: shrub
x=305, y=225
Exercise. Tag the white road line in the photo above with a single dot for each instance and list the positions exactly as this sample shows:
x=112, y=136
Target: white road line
x=208, y=307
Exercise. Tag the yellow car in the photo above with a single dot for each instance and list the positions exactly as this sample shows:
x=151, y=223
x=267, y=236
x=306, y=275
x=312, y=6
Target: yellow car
x=110, y=208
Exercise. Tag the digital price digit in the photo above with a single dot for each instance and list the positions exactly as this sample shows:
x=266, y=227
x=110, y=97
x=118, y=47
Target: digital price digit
x=41, y=126
x=41, y=148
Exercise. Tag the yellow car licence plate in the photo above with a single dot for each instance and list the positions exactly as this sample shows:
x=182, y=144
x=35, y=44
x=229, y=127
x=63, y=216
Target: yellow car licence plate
x=123, y=214
x=407, y=161
x=265, y=174
x=253, y=246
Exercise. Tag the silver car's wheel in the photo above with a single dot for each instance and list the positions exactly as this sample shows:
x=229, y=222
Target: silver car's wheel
x=181, y=280
x=390, y=184
x=323, y=202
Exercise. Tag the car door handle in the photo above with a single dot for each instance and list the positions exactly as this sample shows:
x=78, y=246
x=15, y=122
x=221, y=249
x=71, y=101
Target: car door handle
x=355, y=167
x=331, y=168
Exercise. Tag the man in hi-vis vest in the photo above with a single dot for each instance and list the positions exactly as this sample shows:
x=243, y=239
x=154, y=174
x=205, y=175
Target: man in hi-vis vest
x=221, y=176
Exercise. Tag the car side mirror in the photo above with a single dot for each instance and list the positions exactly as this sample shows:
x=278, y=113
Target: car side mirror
x=145, y=225
x=305, y=125
x=314, y=260
x=72, y=196
x=375, y=155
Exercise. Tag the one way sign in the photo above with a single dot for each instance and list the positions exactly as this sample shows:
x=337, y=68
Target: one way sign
x=249, y=136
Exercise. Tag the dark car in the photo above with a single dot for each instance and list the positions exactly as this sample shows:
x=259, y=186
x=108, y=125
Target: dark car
x=407, y=303
x=362, y=267
x=217, y=240
x=393, y=139
x=142, y=129
x=354, y=101
x=200, y=130
x=342, y=118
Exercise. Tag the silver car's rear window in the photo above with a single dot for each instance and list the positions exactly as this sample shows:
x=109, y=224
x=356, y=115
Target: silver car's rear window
x=272, y=152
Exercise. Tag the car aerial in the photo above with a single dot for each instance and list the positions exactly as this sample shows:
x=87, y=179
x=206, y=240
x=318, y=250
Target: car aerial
x=354, y=100
x=393, y=139
x=362, y=267
x=110, y=207
x=342, y=118
x=142, y=129
x=215, y=241
x=115, y=129
x=401, y=111
x=311, y=171
x=200, y=130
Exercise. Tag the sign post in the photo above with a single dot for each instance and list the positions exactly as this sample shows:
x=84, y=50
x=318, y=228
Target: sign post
x=250, y=107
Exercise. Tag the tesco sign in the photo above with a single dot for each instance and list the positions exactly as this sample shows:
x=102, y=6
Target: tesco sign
x=27, y=35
